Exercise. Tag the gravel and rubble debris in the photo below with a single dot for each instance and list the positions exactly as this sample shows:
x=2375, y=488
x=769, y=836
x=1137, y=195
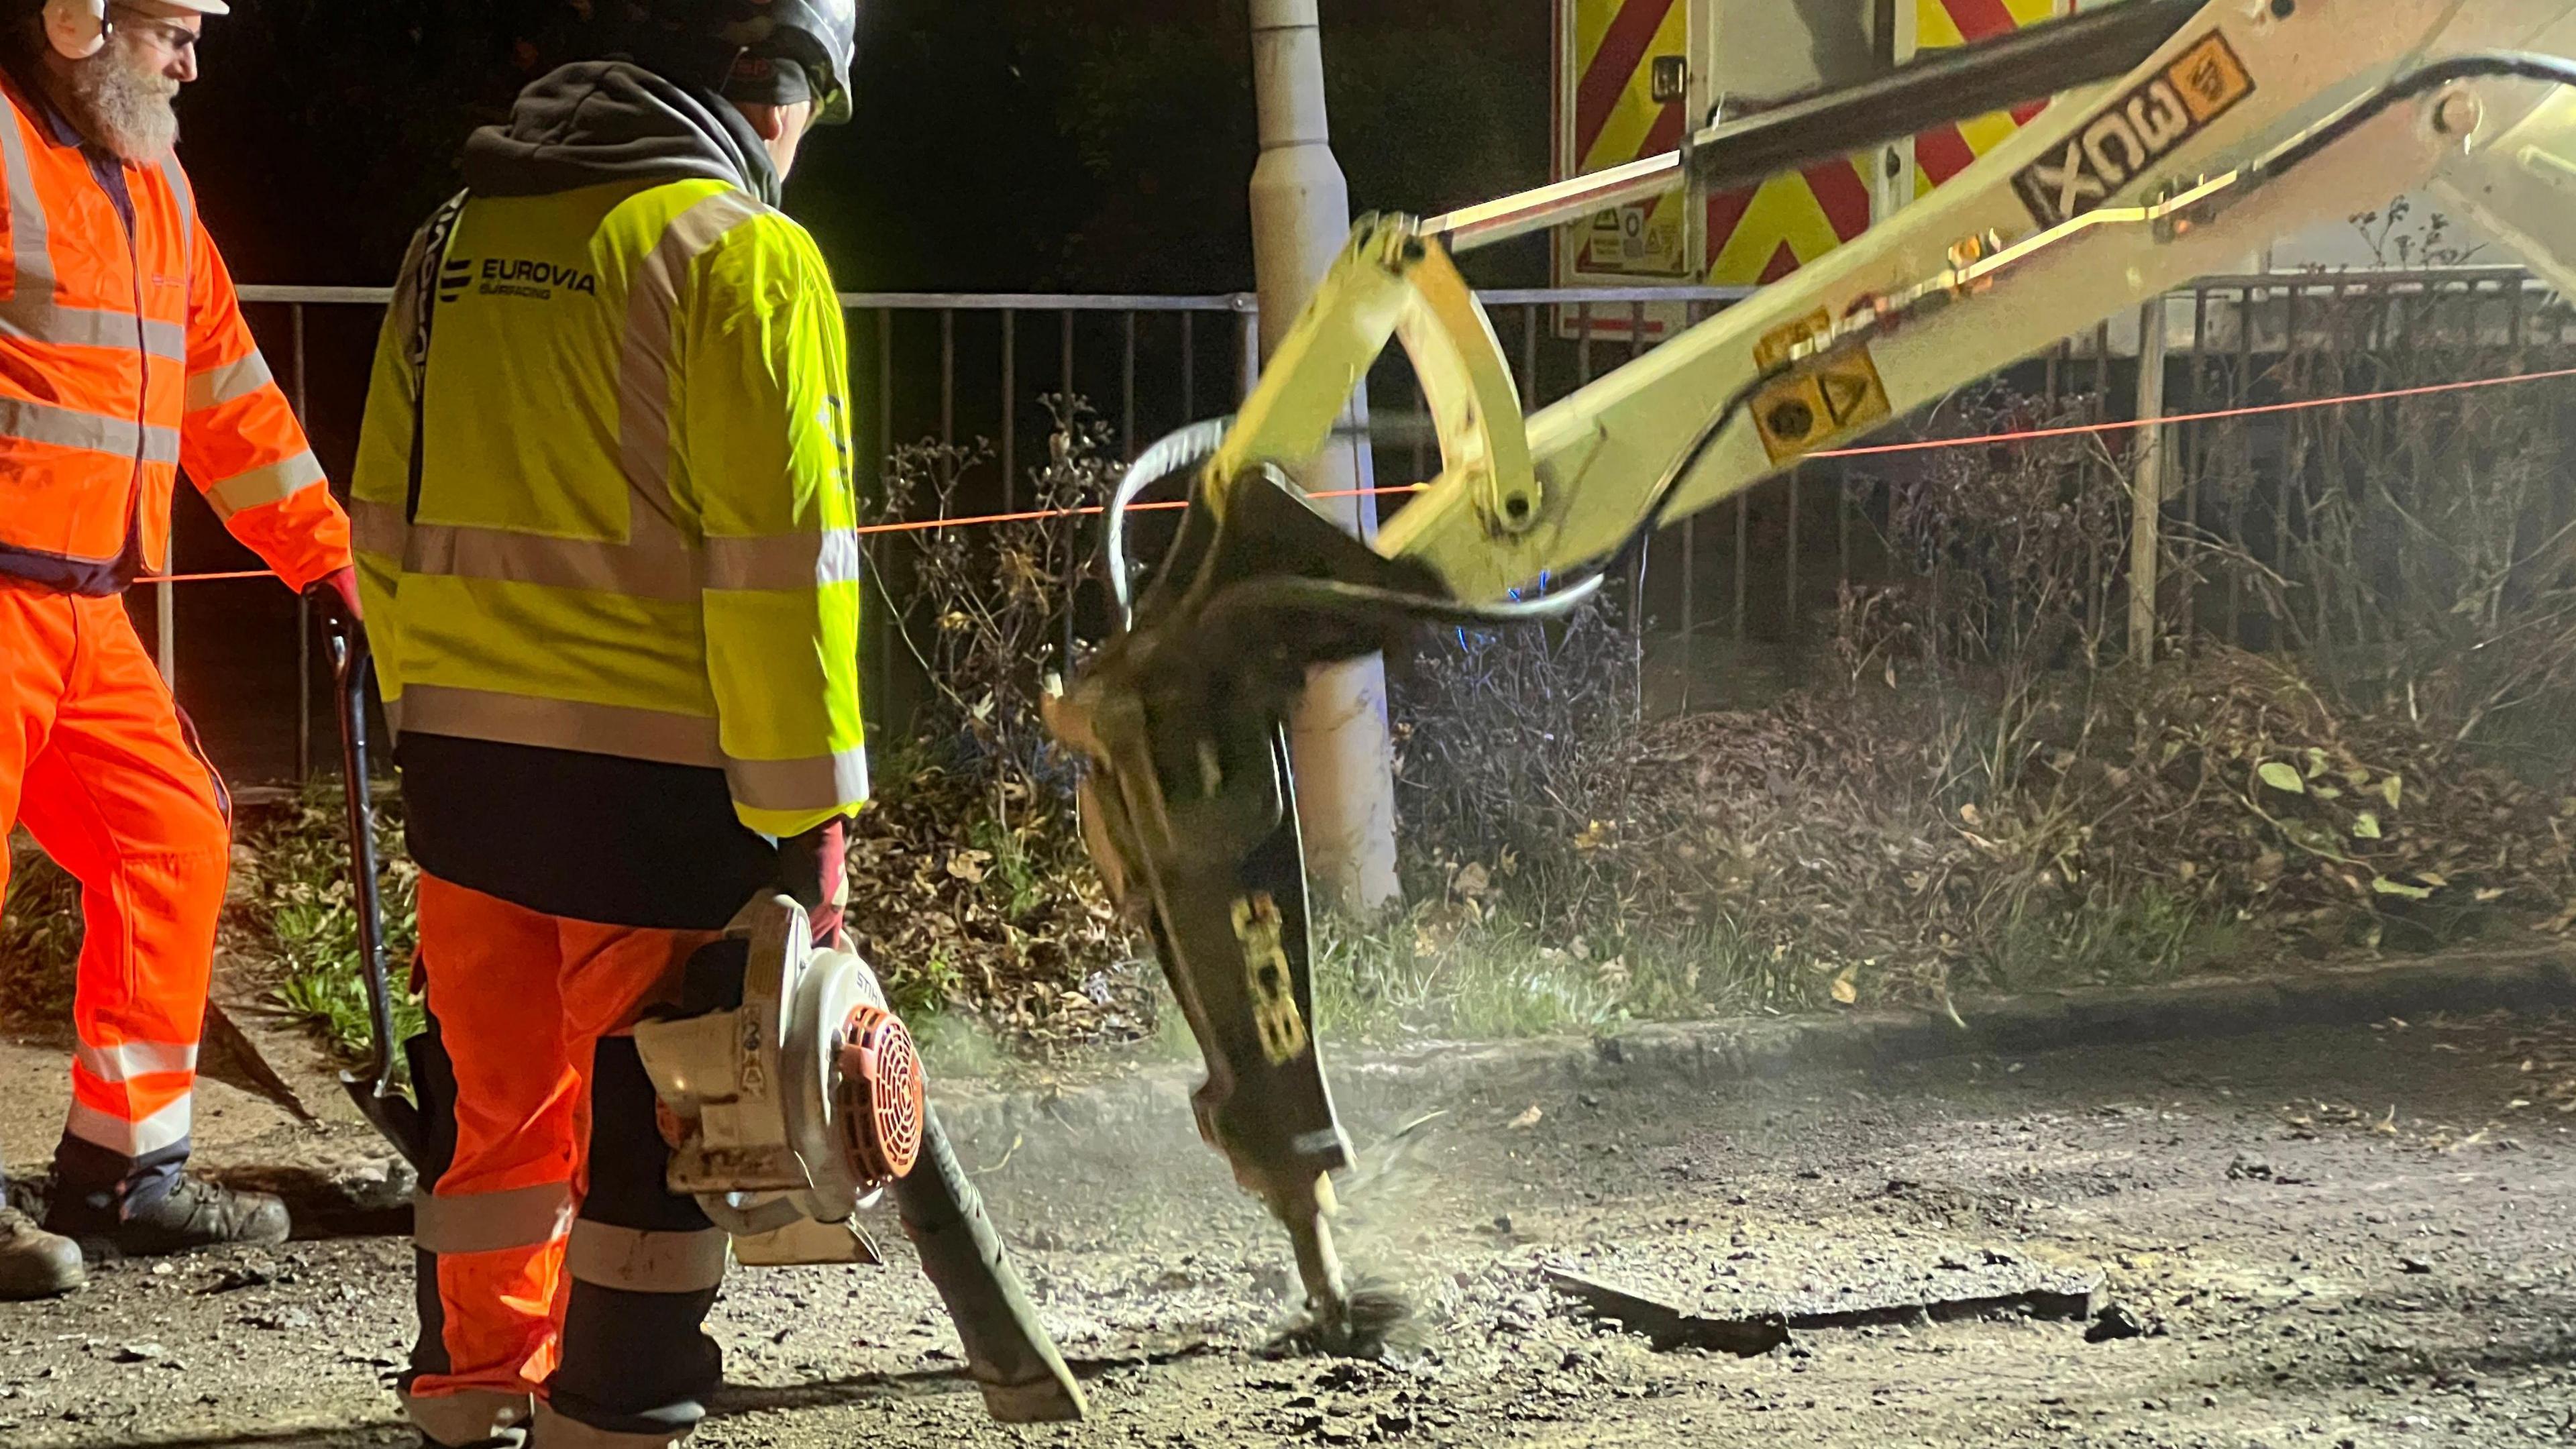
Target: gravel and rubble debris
x=2113, y=1323
x=283, y=1320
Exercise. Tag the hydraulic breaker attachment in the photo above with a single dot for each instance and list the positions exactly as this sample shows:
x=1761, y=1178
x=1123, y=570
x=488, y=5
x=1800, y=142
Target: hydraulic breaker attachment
x=1189, y=808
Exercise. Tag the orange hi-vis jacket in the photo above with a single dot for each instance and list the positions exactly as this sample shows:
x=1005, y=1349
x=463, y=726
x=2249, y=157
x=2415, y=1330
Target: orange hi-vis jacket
x=123, y=358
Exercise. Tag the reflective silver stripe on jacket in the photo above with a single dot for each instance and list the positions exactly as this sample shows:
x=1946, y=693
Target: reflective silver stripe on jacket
x=644, y=366
x=268, y=483
x=186, y=197
x=606, y=729
x=817, y=783
x=219, y=385
x=377, y=527
x=491, y=1222
x=642, y=1262
x=662, y=569
x=89, y=327
x=31, y=313
x=783, y=561
x=135, y=1059
x=659, y=564
x=38, y=422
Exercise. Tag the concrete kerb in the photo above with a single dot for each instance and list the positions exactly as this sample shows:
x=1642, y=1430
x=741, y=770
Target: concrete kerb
x=1717, y=1052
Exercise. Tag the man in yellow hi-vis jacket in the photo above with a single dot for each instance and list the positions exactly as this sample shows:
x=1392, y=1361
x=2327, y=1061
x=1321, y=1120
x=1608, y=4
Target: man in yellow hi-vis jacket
x=603, y=516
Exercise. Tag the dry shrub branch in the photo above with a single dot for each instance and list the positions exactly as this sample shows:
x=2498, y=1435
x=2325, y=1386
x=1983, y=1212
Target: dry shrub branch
x=1990, y=794
x=969, y=886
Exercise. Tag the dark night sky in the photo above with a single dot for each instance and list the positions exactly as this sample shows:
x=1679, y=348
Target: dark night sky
x=1021, y=144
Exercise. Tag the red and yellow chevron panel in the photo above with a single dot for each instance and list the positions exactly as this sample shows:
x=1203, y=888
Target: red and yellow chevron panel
x=1608, y=49
x=1763, y=234
x=1942, y=25
x=1607, y=115
x=1759, y=236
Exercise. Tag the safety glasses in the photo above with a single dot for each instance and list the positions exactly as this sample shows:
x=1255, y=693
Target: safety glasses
x=171, y=37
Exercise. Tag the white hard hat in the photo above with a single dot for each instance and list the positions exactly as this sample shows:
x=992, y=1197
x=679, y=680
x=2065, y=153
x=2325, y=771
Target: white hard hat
x=78, y=28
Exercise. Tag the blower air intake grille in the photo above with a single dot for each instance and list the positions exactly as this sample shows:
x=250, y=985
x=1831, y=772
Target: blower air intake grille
x=884, y=1095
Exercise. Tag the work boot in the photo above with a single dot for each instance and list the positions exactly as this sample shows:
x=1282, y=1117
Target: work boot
x=35, y=1263
x=193, y=1214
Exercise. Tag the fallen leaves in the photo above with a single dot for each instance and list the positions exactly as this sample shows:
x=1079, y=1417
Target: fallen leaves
x=1827, y=832
x=2282, y=777
x=1006, y=923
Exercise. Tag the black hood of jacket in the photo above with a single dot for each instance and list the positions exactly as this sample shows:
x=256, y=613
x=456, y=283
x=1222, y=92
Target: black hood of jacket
x=612, y=120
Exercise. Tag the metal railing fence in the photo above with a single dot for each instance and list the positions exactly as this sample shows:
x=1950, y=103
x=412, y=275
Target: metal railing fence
x=961, y=367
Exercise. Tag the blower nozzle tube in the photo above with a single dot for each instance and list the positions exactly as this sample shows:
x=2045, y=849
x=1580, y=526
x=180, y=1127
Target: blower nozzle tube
x=1014, y=1362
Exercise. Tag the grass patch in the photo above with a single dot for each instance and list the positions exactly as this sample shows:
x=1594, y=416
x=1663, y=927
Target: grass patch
x=300, y=908
x=1432, y=975
x=1490, y=982
x=2153, y=936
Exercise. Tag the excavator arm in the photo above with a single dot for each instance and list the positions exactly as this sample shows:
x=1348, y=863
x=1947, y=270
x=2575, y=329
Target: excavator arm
x=2186, y=136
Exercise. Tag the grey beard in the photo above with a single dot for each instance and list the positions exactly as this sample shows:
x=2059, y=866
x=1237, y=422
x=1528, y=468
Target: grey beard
x=123, y=109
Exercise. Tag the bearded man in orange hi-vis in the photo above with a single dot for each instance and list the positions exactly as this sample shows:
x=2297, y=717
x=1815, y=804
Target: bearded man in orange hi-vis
x=124, y=361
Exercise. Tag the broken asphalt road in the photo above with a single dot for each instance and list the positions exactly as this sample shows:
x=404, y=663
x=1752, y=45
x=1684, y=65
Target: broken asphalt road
x=2397, y=1273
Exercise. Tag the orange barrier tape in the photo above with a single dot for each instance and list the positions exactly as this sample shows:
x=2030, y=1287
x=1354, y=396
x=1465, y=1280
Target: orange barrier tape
x=2259, y=410
x=1920, y=446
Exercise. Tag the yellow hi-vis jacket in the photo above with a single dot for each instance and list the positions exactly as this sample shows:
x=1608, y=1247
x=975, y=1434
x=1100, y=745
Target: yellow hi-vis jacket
x=633, y=534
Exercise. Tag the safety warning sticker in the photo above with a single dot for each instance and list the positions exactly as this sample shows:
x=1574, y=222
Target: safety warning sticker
x=2142, y=128
x=1826, y=400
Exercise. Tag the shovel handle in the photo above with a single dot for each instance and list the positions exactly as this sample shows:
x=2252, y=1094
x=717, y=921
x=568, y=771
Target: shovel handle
x=345, y=639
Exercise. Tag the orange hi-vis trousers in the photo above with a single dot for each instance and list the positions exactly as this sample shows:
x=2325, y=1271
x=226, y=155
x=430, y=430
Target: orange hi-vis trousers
x=97, y=763
x=560, y=1282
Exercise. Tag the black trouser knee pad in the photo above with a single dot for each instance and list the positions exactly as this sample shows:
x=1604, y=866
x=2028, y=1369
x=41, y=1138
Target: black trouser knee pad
x=634, y=1362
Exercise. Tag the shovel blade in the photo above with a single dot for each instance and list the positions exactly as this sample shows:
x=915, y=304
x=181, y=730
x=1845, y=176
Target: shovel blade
x=396, y=1118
